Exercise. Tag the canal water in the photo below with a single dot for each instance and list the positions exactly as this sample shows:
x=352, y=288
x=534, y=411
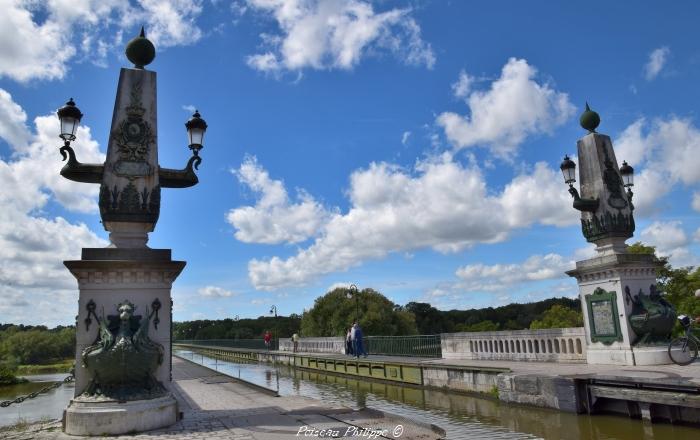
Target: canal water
x=44, y=406
x=461, y=416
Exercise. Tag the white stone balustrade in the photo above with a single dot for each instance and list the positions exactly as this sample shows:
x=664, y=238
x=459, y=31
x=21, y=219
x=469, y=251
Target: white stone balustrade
x=547, y=345
x=315, y=345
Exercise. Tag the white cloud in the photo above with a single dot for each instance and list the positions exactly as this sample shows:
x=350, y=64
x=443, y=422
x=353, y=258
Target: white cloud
x=665, y=152
x=441, y=205
x=492, y=278
x=215, y=292
x=657, y=61
x=171, y=22
x=338, y=286
x=696, y=201
x=33, y=245
x=670, y=240
x=13, y=121
x=463, y=86
x=274, y=219
x=327, y=34
x=39, y=39
x=500, y=118
x=405, y=136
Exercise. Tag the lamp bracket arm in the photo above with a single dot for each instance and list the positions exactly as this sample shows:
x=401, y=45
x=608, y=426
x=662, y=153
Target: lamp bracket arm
x=586, y=205
x=184, y=178
x=79, y=172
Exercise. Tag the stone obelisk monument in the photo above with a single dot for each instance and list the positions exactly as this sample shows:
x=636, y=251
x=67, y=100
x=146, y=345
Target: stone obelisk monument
x=625, y=318
x=123, y=328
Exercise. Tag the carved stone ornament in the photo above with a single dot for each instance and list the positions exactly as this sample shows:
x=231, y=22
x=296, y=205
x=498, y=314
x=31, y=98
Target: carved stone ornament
x=607, y=225
x=134, y=138
x=129, y=204
x=613, y=183
x=122, y=361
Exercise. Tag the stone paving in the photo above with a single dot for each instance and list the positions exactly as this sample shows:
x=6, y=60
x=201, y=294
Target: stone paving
x=217, y=407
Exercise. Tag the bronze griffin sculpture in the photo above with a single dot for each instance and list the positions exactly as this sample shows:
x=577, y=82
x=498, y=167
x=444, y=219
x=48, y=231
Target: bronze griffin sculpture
x=123, y=359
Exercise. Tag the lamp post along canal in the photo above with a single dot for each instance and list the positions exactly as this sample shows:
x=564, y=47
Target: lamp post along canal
x=353, y=292
x=627, y=322
x=123, y=336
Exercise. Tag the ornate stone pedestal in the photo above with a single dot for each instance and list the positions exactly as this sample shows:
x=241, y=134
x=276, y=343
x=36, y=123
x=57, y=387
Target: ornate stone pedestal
x=110, y=417
x=106, y=278
x=603, y=285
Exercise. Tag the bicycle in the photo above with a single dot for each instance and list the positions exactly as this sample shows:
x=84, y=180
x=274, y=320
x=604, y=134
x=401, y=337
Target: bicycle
x=684, y=350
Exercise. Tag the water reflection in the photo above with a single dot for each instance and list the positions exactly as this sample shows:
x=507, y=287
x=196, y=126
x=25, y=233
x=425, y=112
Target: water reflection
x=462, y=417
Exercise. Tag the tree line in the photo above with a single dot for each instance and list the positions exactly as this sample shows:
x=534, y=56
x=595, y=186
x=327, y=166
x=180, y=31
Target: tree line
x=32, y=345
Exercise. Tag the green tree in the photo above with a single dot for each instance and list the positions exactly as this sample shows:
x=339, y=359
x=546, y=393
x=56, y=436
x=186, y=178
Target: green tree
x=558, y=317
x=483, y=326
x=429, y=320
x=678, y=285
x=333, y=313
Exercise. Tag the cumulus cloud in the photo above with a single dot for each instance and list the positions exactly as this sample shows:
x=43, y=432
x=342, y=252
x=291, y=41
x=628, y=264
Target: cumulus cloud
x=40, y=38
x=663, y=152
x=215, y=292
x=657, y=61
x=440, y=204
x=32, y=244
x=328, y=34
x=670, y=241
x=497, y=277
x=514, y=107
x=274, y=218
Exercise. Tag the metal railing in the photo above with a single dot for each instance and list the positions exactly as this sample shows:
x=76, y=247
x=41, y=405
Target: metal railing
x=414, y=346
x=255, y=344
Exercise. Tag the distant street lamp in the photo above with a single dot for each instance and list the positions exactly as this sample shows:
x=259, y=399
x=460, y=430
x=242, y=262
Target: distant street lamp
x=273, y=309
x=352, y=291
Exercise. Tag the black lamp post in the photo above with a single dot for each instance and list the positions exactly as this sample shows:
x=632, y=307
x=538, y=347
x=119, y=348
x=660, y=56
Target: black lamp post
x=568, y=169
x=70, y=117
x=352, y=291
x=196, y=127
x=273, y=309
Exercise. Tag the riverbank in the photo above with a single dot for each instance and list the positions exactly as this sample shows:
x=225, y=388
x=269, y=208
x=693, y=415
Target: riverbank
x=63, y=366
x=669, y=393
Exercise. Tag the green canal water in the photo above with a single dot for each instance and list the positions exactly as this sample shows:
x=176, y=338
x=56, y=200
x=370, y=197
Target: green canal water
x=461, y=416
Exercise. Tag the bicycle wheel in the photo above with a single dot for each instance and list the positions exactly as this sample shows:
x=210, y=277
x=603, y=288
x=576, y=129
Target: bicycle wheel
x=683, y=351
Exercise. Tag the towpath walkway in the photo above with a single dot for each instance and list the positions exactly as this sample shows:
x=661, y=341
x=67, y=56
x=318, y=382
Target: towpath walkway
x=657, y=373
x=218, y=407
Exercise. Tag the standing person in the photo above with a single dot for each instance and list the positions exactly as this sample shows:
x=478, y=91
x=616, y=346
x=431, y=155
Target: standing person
x=267, y=337
x=359, y=349
x=348, y=342
x=352, y=338
x=295, y=341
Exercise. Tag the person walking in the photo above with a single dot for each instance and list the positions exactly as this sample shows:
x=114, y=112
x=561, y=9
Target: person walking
x=357, y=346
x=295, y=341
x=267, y=337
x=348, y=342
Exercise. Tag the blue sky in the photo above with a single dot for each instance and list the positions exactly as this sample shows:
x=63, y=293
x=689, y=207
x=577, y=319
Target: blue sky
x=412, y=147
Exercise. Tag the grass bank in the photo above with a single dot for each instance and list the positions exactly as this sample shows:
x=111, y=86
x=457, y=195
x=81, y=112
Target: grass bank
x=63, y=366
